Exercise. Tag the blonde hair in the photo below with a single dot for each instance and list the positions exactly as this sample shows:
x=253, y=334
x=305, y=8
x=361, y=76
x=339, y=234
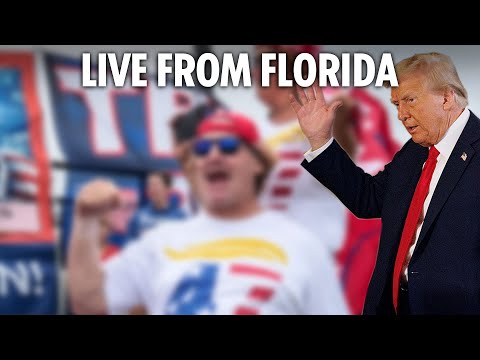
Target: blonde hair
x=439, y=70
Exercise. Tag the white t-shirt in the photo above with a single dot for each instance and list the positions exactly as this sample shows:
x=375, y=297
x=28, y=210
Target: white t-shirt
x=295, y=192
x=265, y=264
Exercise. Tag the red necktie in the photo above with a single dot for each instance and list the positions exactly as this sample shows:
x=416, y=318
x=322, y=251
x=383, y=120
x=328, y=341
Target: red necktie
x=416, y=207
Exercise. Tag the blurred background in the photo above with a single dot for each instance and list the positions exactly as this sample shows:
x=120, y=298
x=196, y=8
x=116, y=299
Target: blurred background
x=55, y=136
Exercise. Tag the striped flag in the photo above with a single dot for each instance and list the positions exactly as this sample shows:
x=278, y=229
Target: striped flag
x=19, y=188
x=19, y=177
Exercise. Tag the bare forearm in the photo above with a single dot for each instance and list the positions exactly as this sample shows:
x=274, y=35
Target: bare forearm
x=85, y=273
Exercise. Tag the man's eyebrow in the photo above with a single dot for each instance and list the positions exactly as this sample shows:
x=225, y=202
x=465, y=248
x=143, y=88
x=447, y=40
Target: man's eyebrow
x=406, y=96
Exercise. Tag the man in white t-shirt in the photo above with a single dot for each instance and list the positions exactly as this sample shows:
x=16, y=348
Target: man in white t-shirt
x=232, y=258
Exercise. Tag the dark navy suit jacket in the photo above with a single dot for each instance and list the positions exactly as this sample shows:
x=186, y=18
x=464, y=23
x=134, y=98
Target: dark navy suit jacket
x=444, y=272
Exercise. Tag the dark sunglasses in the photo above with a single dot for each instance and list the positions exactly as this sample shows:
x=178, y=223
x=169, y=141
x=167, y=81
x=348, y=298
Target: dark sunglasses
x=227, y=145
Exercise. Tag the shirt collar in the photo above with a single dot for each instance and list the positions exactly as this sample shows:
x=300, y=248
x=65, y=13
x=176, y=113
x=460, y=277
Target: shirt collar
x=449, y=140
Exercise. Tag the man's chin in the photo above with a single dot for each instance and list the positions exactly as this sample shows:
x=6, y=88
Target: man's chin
x=217, y=202
x=420, y=140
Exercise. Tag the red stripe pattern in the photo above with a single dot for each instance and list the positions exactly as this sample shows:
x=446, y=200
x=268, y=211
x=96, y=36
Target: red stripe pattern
x=250, y=270
x=245, y=310
x=282, y=191
x=291, y=155
x=261, y=293
x=289, y=173
x=258, y=294
x=22, y=176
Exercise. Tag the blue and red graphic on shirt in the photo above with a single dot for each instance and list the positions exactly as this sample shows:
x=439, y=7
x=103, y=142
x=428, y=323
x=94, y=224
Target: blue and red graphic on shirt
x=194, y=295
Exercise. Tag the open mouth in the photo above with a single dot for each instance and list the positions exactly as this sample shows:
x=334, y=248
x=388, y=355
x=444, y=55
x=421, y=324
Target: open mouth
x=411, y=129
x=218, y=177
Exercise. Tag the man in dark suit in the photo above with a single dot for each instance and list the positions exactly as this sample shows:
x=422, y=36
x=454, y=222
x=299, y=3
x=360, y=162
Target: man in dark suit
x=428, y=197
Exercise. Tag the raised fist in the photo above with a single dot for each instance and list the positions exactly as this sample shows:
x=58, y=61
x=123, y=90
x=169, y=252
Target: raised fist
x=97, y=198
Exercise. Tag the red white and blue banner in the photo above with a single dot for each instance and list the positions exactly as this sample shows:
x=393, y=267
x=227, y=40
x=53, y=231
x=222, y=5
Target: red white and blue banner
x=25, y=211
x=116, y=133
x=28, y=279
x=114, y=128
x=28, y=266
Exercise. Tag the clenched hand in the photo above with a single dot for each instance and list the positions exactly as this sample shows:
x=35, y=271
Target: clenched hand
x=97, y=198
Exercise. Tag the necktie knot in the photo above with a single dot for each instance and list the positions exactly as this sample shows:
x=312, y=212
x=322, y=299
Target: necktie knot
x=433, y=153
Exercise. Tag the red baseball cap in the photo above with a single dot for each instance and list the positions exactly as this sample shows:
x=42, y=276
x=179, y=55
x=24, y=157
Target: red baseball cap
x=230, y=122
x=242, y=126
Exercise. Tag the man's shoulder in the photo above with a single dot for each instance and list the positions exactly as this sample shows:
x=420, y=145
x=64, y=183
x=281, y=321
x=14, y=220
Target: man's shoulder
x=409, y=151
x=409, y=146
x=278, y=218
x=168, y=230
x=475, y=117
x=284, y=224
x=471, y=132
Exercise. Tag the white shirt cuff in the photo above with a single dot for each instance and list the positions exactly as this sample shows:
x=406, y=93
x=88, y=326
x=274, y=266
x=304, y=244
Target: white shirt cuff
x=311, y=155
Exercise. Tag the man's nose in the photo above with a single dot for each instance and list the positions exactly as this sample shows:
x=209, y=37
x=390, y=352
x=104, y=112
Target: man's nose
x=403, y=114
x=214, y=153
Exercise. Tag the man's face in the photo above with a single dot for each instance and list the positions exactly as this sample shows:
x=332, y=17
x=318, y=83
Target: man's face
x=420, y=109
x=224, y=178
x=157, y=191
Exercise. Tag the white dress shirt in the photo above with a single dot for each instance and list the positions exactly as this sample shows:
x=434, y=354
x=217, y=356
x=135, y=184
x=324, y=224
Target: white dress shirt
x=445, y=147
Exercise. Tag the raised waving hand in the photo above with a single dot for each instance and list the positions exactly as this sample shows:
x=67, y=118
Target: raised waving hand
x=315, y=116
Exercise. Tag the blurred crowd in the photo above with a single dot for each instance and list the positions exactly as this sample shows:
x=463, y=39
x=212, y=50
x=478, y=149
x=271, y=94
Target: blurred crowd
x=261, y=235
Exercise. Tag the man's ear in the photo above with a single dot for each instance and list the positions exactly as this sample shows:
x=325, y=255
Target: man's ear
x=448, y=99
x=259, y=167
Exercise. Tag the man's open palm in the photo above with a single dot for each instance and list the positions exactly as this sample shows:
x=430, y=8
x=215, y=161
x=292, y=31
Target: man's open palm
x=314, y=114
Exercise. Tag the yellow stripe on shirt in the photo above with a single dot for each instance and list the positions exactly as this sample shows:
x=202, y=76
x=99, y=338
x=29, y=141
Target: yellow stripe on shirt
x=293, y=133
x=231, y=248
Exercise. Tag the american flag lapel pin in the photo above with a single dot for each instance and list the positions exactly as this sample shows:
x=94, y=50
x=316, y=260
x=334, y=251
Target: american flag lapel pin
x=464, y=156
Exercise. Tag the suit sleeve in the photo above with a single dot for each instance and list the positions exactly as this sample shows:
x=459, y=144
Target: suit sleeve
x=360, y=192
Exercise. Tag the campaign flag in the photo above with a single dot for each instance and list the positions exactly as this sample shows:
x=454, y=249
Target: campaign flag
x=25, y=212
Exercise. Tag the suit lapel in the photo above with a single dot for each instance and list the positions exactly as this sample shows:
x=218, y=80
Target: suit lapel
x=456, y=165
